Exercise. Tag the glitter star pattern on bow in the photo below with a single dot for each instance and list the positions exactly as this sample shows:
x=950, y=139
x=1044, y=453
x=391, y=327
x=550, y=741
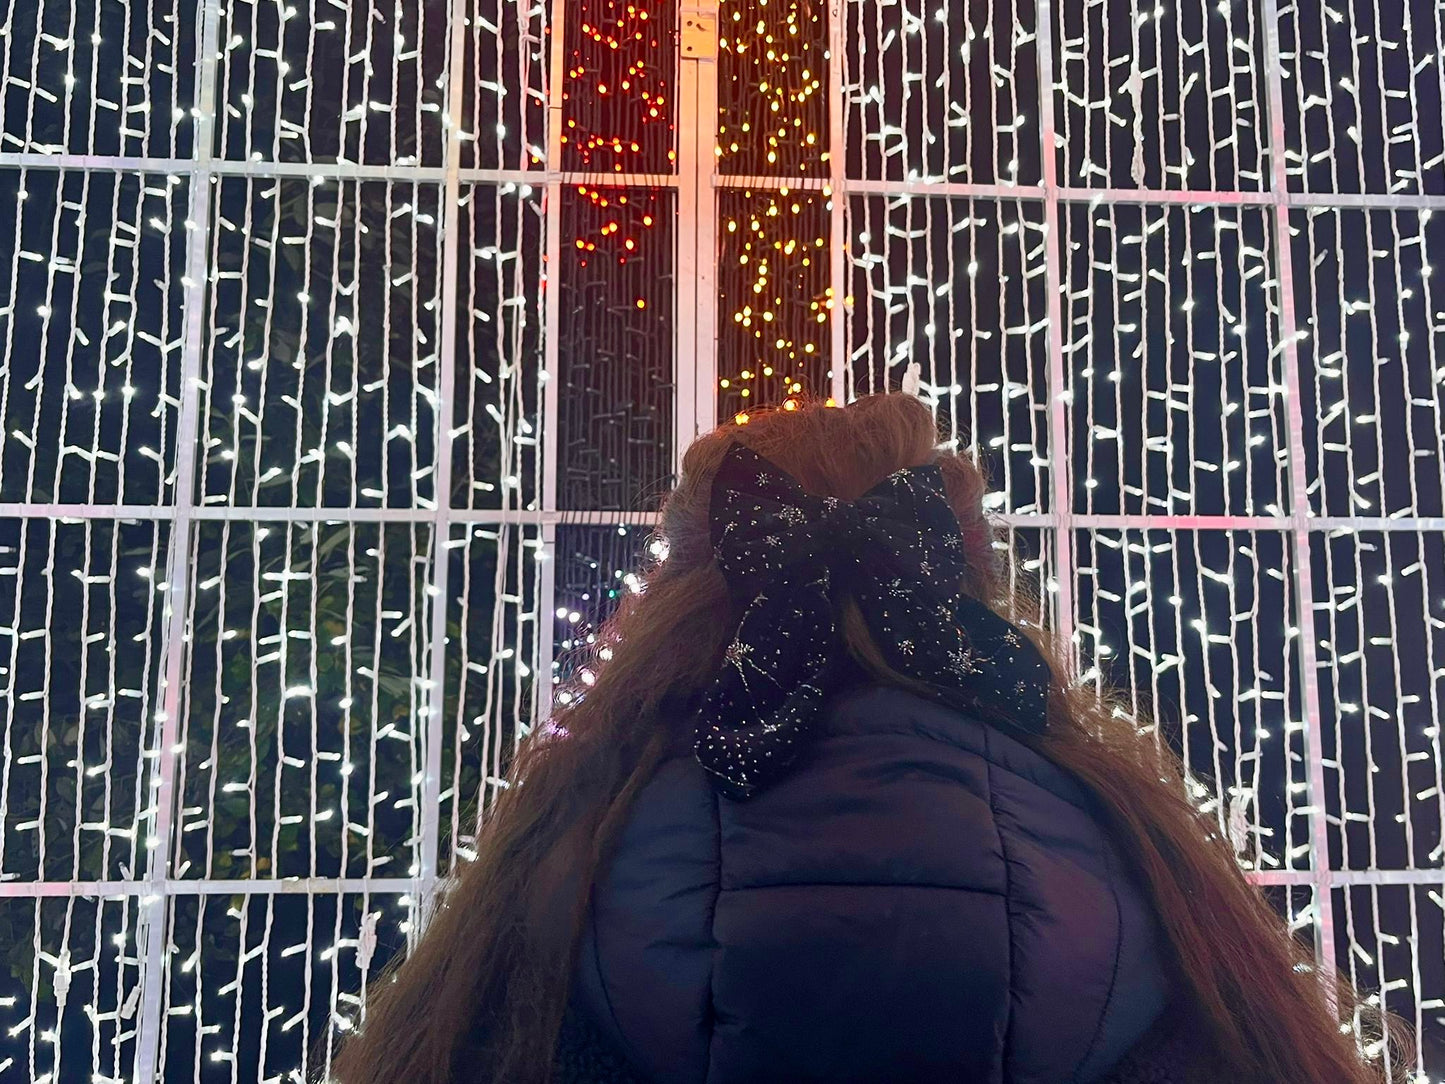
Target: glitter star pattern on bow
x=896, y=552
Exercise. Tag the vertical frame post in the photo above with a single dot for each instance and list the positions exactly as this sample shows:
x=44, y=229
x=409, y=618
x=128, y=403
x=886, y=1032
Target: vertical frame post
x=696, y=226
x=158, y=822
x=435, y=717
x=1060, y=396
x=1299, y=518
x=551, y=321
x=837, y=192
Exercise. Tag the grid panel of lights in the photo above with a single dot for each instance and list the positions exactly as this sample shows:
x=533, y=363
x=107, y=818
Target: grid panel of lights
x=285, y=568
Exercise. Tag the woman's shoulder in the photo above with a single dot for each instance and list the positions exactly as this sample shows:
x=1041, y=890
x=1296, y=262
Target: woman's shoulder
x=875, y=709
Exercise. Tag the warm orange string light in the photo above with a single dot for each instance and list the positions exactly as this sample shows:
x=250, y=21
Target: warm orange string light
x=772, y=120
x=777, y=248
x=778, y=51
x=775, y=55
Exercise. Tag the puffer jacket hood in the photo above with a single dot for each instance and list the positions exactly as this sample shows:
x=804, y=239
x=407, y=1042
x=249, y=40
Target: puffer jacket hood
x=922, y=899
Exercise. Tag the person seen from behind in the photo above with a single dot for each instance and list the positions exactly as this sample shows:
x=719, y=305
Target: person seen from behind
x=832, y=810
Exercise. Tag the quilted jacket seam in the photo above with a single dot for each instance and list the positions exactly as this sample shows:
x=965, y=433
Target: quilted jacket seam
x=631, y=1051
x=1113, y=974
x=712, y=933
x=866, y=884
x=986, y=754
x=1007, y=909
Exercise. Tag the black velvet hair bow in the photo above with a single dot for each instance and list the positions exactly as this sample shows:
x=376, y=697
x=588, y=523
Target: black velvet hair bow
x=898, y=552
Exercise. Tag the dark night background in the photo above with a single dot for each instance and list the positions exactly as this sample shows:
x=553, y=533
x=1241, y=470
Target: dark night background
x=1174, y=358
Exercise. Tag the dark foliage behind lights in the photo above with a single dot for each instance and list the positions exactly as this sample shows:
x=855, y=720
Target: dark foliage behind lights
x=89, y=403
x=210, y=932
x=115, y=105
x=490, y=688
x=504, y=64
x=79, y=684
x=324, y=334
x=337, y=622
x=357, y=82
x=496, y=423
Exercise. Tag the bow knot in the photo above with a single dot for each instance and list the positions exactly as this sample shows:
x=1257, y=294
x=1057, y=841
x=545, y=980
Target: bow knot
x=898, y=547
x=842, y=522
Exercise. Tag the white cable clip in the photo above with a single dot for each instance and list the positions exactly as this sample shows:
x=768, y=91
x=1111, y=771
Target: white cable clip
x=366, y=943
x=62, y=979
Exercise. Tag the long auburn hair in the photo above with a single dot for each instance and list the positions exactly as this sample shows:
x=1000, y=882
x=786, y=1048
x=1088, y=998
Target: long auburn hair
x=483, y=995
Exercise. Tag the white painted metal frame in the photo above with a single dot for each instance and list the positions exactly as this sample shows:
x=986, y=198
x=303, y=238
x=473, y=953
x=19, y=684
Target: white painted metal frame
x=442, y=515
x=1060, y=476
x=837, y=189
x=1300, y=525
x=1091, y=520
x=353, y=171
x=547, y=568
x=696, y=183
x=159, y=825
x=695, y=272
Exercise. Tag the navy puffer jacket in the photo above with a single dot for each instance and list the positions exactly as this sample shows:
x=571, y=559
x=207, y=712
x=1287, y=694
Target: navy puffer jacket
x=922, y=899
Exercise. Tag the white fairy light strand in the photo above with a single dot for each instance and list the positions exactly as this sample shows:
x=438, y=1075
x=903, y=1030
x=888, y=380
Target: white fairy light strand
x=110, y=421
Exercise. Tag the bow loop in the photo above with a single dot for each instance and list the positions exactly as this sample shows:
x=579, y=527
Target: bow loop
x=898, y=553
x=764, y=523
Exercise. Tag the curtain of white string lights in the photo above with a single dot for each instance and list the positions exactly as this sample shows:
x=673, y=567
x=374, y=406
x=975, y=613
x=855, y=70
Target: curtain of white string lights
x=346, y=348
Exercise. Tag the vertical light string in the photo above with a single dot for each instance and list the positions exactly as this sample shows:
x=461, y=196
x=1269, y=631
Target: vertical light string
x=314, y=124
x=840, y=296
x=444, y=413
x=1060, y=400
x=546, y=563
